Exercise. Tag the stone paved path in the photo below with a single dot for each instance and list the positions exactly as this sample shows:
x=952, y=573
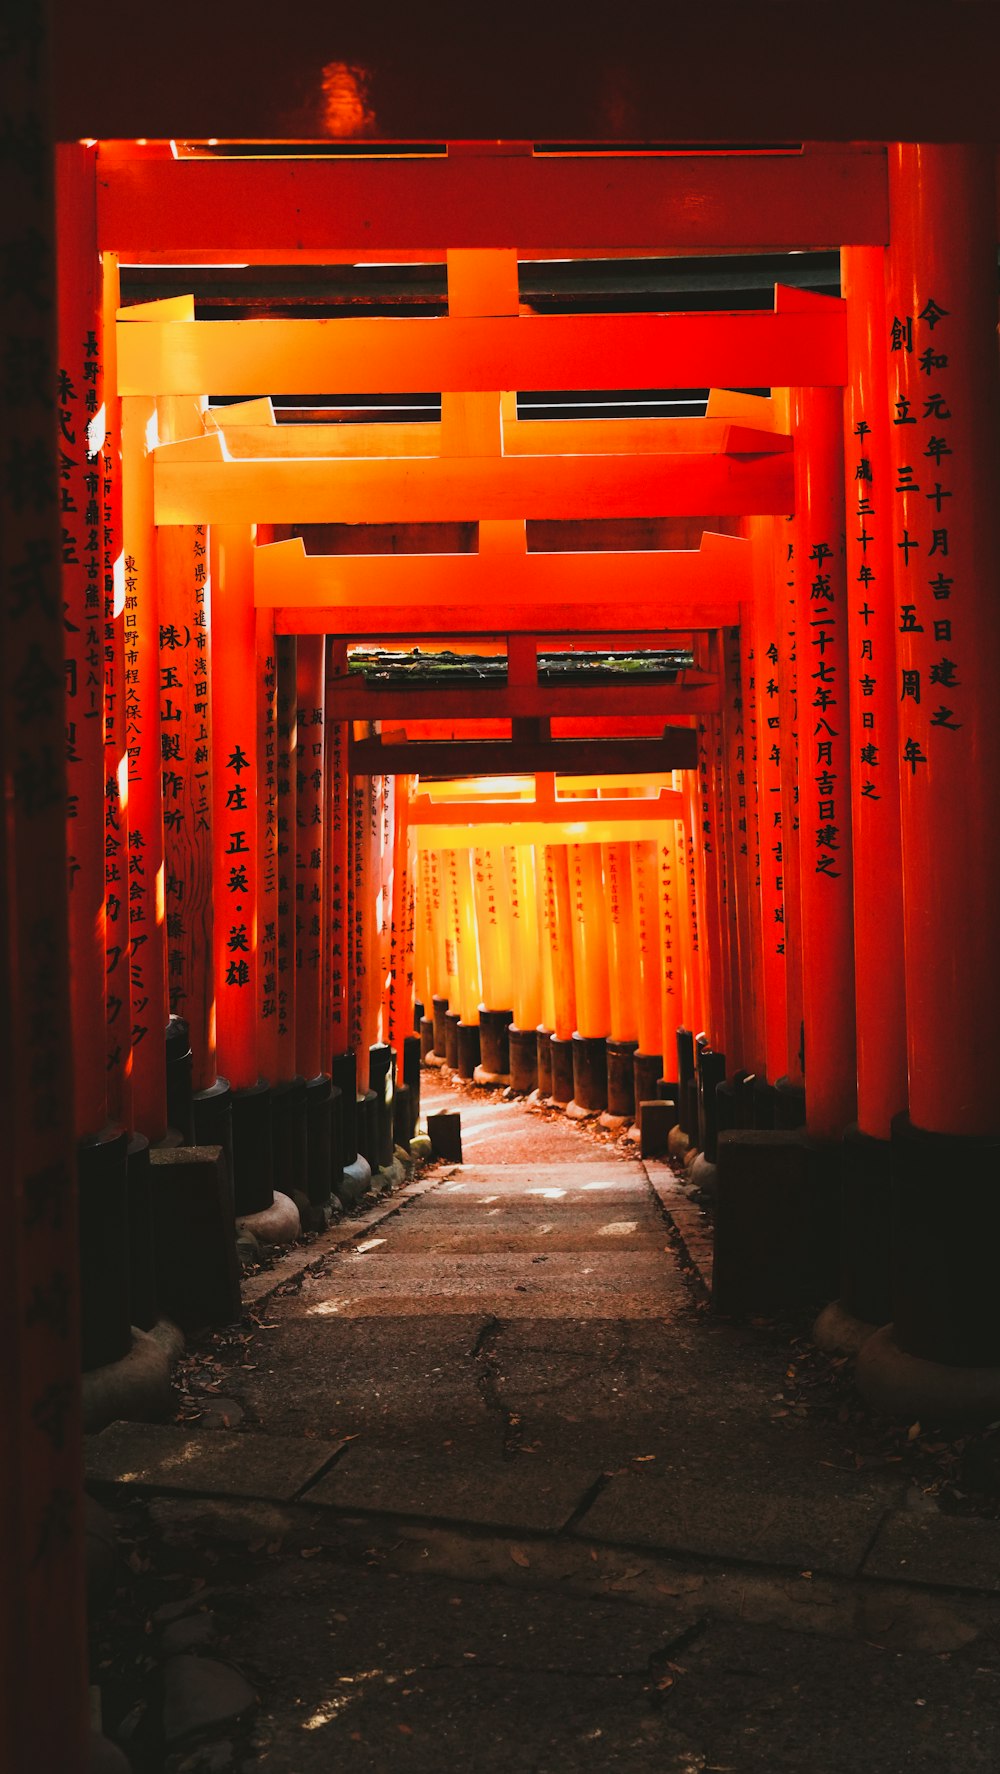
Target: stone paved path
x=503, y=1495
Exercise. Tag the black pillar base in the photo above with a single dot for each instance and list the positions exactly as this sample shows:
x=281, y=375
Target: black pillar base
x=494, y=1046
x=180, y=1111
x=336, y=1136
x=763, y=1103
x=646, y=1071
x=411, y=1075
x=426, y=1036
x=144, y=1300
x=789, y=1106
x=543, y=1060
x=288, y=1124
x=945, y=1239
x=368, y=1140
x=318, y=1143
x=468, y=1049
x=776, y=1247
x=686, y=1100
x=212, y=1113
x=451, y=1022
x=418, y=1015
x=103, y=1185
x=197, y=1269
x=253, y=1149
x=711, y=1073
x=344, y=1071
x=439, y=1007
x=621, y=1077
x=381, y=1079
x=444, y=1130
x=522, y=1049
x=866, y=1227
x=590, y=1072
x=562, y=1070
x=404, y=1115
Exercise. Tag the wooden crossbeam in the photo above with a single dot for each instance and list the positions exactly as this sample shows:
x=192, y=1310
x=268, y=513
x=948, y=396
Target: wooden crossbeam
x=504, y=592
x=747, y=348
x=717, y=435
x=324, y=210
x=675, y=750
x=355, y=701
x=190, y=487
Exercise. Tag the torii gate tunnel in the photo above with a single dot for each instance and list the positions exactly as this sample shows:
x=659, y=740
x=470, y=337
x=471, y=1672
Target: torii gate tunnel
x=597, y=694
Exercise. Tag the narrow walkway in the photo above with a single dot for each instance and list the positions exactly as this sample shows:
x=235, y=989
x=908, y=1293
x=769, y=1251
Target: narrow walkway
x=504, y=1496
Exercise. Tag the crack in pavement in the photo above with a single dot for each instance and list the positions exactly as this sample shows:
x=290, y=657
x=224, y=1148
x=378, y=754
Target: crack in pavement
x=484, y=1353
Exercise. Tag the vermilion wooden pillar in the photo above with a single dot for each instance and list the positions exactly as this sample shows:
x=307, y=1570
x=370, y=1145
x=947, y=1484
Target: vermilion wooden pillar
x=338, y=815
x=186, y=757
x=701, y=930
x=309, y=819
x=824, y=764
x=944, y=407
x=268, y=1047
x=787, y=567
x=118, y=989
x=143, y=727
x=670, y=972
x=526, y=935
x=43, y=1721
x=880, y=989
x=648, y=933
x=79, y=398
x=616, y=868
x=770, y=813
x=590, y=947
x=944, y=411
x=399, y=1004
x=287, y=742
x=234, y=811
x=742, y=890
x=559, y=927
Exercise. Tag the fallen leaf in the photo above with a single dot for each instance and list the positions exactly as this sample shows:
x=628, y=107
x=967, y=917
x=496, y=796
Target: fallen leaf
x=309, y=1551
x=913, y=1431
x=520, y=1557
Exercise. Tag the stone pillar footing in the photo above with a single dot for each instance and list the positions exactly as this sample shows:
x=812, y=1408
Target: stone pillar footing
x=932, y=1393
x=838, y=1332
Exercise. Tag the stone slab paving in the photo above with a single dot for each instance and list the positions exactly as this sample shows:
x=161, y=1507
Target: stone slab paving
x=736, y=1522
x=158, y=1456
x=938, y=1550
x=519, y=1494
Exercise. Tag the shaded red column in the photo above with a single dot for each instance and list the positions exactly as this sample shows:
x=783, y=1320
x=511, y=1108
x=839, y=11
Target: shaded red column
x=945, y=420
x=118, y=989
x=186, y=757
x=267, y=845
x=287, y=743
x=309, y=822
x=770, y=812
x=399, y=1004
x=338, y=811
x=745, y=790
x=234, y=806
x=44, y=1718
x=786, y=542
x=880, y=990
x=79, y=399
x=824, y=764
x=145, y=877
